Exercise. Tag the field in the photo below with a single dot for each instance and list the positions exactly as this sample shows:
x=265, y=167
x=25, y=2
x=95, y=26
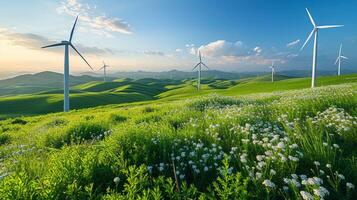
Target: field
x=269, y=141
x=125, y=91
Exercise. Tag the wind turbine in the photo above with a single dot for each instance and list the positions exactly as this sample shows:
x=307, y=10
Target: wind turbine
x=272, y=67
x=105, y=70
x=199, y=65
x=66, y=45
x=314, y=55
x=339, y=58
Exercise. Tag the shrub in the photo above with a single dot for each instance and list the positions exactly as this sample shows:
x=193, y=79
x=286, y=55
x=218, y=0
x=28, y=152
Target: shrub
x=148, y=109
x=76, y=133
x=214, y=101
x=4, y=139
x=86, y=131
x=115, y=118
x=19, y=121
x=57, y=122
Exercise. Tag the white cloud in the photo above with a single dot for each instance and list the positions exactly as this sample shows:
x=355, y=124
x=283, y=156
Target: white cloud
x=224, y=53
x=178, y=50
x=100, y=24
x=257, y=50
x=293, y=43
x=222, y=48
x=193, y=51
x=153, y=53
x=35, y=42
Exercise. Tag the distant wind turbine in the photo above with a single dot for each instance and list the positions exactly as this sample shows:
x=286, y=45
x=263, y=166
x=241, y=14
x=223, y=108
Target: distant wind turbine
x=199, y=65
x=66, y=45
x=105, y=70
x=272, y=67
x=339, y=58
x=314, y=57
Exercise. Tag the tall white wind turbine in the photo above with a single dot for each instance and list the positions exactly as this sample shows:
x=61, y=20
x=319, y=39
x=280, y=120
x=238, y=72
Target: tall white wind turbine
x=272, y=67
x=199, y=65
x=104, y=68
x=339, y=59
x=314, y=55
x=66, y=45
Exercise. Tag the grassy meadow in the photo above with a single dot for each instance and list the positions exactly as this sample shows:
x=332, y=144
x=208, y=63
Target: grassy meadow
x=128, y=91
x=244, y=139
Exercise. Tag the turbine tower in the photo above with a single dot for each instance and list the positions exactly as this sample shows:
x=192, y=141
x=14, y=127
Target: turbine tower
x=199, y=65
x=314, y=55
x=339, y=58
x=66, y=45
x=105, y=71
x=272, y=67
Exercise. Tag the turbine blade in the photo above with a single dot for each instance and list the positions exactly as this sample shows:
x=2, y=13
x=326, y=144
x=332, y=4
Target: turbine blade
x=74, y=26
x=339, y=54
x=308, y=38
x=337, y=60
x=101, y=68
x=329, y=26
x=205, y=65
x=52, y=45
x=196, y=66
x=81, y=56
x=311, y=19
x=344, y=57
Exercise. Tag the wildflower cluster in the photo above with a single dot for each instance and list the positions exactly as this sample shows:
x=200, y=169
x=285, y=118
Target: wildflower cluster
x=190, y=157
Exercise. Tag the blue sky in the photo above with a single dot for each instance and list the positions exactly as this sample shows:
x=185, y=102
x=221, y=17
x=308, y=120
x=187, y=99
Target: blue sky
x=155, y=35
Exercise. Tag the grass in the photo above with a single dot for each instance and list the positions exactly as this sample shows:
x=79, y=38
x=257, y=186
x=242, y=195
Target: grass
x=288, y=144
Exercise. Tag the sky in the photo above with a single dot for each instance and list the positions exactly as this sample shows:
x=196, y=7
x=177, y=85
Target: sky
x=161, y=35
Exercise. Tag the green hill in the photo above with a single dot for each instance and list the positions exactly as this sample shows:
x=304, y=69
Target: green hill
x=97, y=93
x=40, y=82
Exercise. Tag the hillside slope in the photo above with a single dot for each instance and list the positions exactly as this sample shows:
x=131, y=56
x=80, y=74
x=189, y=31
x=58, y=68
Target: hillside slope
x=43, y=81
x=97, y=93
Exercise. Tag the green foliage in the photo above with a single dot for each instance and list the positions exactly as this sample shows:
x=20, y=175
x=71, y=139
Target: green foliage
x=214, y=101
x=229, y=185
x=78, y=132
x=19, y=121
x=4, y=138
x=115, y=118
x=262, y=146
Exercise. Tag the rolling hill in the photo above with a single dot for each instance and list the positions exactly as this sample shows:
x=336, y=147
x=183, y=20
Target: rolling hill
x=40, y=82
x=124, y=91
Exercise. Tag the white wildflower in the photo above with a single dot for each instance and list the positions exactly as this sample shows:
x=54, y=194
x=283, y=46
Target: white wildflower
x=341, y=176
x=268, y=183
x=306, y=196
x=321, y=192
x=272, y=172
x=116, y=180
x=350, y=185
